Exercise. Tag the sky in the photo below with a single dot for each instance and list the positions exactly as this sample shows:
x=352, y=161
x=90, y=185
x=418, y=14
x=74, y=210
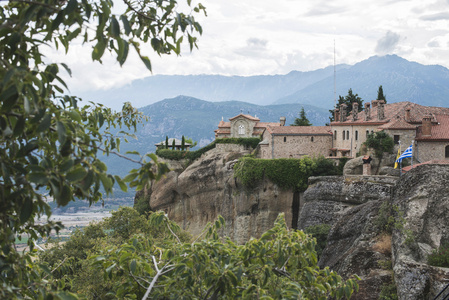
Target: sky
x=255, y=37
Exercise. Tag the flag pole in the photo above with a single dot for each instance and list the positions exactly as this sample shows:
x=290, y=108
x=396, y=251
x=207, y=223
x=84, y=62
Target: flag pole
x=400, y=163
x=413, y=143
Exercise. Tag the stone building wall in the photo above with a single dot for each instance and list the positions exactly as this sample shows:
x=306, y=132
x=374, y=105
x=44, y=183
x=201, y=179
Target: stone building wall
x=295, y=146
x=352, y=143
x=221, y=148
x=426, y=151
x=405, y=136
x=248, y=124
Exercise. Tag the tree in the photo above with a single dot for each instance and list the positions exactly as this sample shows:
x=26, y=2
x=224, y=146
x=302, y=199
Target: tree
x=49, y=144
x=173, y=145
x=349, y=99
x=380, y=94
x=191, y=142
x=166, y=142
x=183, y=143
x=302, y=120
x=380, y=142
x=281, y=264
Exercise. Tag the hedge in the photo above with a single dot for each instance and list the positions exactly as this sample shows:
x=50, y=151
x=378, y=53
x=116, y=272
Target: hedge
x=287, y=173
x=193, y=155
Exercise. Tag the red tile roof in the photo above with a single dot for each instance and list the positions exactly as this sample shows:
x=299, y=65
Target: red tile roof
x=430, y=162
x=394, y=111
x=245, y=116
x=439, y=131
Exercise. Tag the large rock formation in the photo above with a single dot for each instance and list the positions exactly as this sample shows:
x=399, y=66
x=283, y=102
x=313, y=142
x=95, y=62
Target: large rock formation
x=207, y=188
x=422, y=198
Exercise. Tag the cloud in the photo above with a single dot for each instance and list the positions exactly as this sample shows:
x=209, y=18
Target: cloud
x=387, y=43
x=433, y=44
x=323, y=9
x=436, y=17
x=255, y=42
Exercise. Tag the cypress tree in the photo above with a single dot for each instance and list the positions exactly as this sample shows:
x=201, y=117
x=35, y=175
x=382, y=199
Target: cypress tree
x=166, y=142
x=183, y=143
x=173, y=145
x=380, y=94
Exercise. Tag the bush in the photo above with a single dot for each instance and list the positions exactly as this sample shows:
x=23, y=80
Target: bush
x=193, y=155
x=287, y=173
x=380, y=142
x=320, y=233
x=440, y=257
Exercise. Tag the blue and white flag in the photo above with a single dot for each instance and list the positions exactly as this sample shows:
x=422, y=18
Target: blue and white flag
x=407, y=153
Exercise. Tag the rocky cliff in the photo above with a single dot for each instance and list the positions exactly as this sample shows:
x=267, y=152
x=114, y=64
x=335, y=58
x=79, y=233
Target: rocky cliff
x=196, y=195
x=352, y=205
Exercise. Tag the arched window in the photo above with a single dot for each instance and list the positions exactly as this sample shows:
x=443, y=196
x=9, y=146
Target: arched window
x=335, y=134
x=311, y=139
x=447, y=152
x=241, y=129
x=285, y=139
x=347, y=135
x=356, y=135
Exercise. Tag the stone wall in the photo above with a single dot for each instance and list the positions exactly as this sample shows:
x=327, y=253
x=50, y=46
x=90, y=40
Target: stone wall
x=426, y=151
x=295, y=146
x=221, y=148
x=352, y=143
x=248, y=124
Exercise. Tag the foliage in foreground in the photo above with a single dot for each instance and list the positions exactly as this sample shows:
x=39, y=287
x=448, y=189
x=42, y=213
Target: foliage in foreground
x=154, y=258
x=48, y=143
x=287, y=173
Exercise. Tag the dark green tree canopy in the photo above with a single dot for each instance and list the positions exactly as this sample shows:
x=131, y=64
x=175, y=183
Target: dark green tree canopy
x=380, y=94
x=349, y=100
x=302, y=120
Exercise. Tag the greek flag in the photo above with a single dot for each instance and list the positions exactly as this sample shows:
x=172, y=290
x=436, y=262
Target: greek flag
x=407, y=153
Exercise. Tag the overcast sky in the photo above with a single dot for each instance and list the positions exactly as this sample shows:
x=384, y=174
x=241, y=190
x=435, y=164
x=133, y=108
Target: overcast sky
x=250, y=37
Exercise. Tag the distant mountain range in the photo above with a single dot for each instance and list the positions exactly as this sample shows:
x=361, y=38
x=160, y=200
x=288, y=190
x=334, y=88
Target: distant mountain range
x=198, y=119
x=401, y=80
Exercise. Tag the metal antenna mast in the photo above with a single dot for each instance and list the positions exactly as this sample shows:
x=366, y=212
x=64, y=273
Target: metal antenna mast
x=335, y=80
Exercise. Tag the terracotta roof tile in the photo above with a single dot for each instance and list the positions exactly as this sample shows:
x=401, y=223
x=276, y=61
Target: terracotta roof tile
x=430, y=162
x=245, y=116
x=439, y=131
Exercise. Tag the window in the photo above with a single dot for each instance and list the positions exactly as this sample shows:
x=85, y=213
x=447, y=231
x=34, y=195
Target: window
x=396, y=139
x=344, y=135
x=447, y=152
x=356, y=135
x=285, y=139
x=367, y=133
x=241, y=129
x=335, y=134
x=311, y=139
x=347, y=135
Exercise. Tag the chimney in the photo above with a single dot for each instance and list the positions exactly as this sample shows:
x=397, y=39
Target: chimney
x=380, y=109
x=342, y=112
x=355, y=110
x=282, y=121
x=374, y=103
x=336, y=115
x=407, y=115
x=427, y=126
x=367, y=111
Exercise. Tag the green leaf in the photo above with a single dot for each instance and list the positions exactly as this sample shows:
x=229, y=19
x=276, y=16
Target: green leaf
x=133, y=266
x=66, y=165
x=146, y=61
x=26, y=211
x=38, y=178
x=71, y=6
x=77, y=174
x=62, y=135
x=120, y=182
x=126, y=25
x=45, y=123
x=115, y=27
x=65, y=196
x=74, y=115
x=99, y=48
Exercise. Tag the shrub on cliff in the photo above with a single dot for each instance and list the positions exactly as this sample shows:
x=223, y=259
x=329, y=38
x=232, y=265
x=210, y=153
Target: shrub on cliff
x=440, y=257
x=287, y=173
